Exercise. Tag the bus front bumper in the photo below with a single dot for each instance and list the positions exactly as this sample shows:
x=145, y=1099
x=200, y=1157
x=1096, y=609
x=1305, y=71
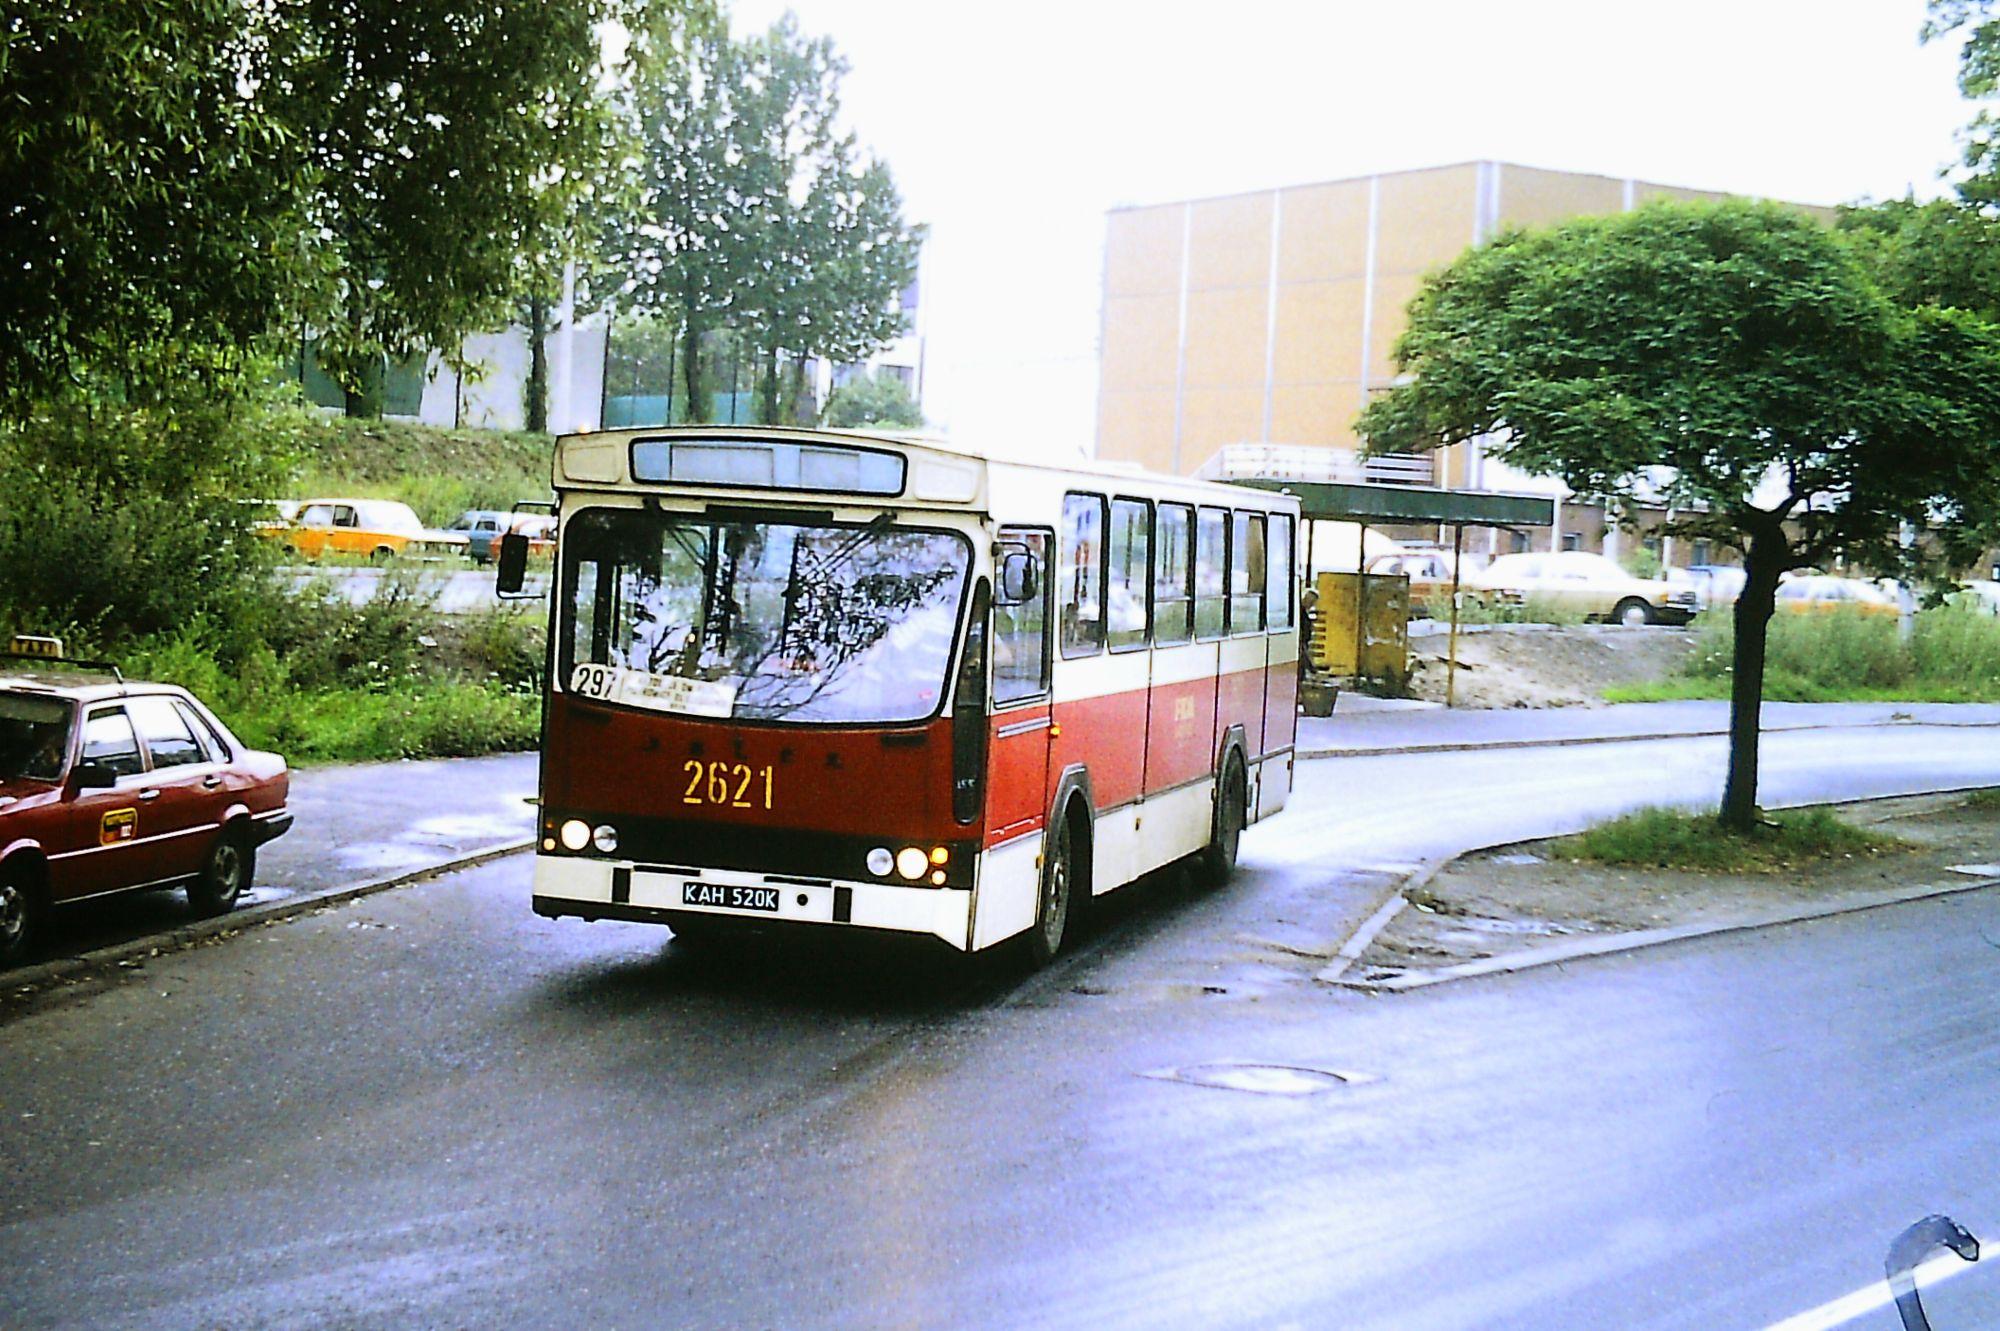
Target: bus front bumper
x=594, y=889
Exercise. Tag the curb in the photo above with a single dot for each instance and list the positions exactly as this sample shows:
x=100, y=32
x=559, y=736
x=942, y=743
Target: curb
x=1570, y=741
x=1640, y=940
x=1633, y=940
x=1358, y=941
x=15, y=983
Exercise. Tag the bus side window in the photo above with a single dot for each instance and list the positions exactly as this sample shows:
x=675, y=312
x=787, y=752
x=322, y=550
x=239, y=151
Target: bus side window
x=1173, y=573
x=1211, y=574
x=1021, y=632
x=1082, y=575
x=1278, y=599
x=1246, y=574
x=1131, y=572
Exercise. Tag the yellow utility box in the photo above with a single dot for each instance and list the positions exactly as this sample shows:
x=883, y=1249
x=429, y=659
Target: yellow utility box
x=1364, y=618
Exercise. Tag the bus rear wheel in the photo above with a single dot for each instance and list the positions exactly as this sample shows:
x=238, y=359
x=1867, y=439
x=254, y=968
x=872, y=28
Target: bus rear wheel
x=1215, y=863
x=1054, y=906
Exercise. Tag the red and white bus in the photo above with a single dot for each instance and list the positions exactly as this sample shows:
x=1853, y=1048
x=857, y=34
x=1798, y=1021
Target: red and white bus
x=844, y=679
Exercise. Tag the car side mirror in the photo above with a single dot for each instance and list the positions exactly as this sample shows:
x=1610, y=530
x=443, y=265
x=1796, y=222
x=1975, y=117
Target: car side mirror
x=513, y=564
x=1017, y=578
x=93, y=776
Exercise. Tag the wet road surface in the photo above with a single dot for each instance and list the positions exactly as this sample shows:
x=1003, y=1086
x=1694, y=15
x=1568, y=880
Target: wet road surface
x=433, y=1108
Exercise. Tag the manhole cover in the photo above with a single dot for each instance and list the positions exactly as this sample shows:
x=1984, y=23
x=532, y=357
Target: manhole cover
x=1262, y=1078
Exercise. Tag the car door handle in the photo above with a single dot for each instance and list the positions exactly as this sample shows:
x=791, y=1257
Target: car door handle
x=149, y=794
x=210, y=782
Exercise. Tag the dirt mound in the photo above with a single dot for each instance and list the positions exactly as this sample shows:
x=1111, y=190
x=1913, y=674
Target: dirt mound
x=1542, y=665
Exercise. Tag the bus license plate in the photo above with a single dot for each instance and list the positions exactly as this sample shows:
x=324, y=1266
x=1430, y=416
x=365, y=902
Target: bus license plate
x=729, y=896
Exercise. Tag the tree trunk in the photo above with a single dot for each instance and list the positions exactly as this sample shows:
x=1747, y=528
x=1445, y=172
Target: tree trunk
x=1768, y=556
x=798, y=413
x=695, y=410
x=538, y=362
x=767, y=406
x=364, y=400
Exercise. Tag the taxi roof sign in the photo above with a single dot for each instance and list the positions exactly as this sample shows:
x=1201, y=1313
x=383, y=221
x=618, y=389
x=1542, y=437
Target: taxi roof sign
x=32, y=644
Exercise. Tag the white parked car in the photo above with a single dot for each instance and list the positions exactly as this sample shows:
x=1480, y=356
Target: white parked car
x=1592, y=585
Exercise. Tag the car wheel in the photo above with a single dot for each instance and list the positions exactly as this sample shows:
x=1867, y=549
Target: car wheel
x=20, y=915
x=1054, y=905
x=1216, y=862
x=223, y=879
x=382, y=554
x=1632, y=612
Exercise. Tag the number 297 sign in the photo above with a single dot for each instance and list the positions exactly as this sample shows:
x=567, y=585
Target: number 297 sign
x=662, y=693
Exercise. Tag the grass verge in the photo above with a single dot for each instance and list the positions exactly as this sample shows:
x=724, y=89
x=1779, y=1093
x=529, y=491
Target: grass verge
x=1679, y=839
x=1953, y=655
x=438, y=472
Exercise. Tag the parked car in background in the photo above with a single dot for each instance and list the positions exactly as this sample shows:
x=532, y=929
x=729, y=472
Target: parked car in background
x=482, y=529
x=1590, y=585
x=1429, y=572
x=1980, y=595
x=1821, y=594
x=376, y=529
x=1713, y=584
x=111, y=785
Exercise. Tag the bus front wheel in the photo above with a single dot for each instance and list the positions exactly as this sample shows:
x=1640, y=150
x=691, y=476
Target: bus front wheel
x=1216, y=862
x=1054, y=906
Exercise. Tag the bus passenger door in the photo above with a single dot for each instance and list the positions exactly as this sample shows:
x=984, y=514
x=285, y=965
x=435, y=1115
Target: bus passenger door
x=1019, y=762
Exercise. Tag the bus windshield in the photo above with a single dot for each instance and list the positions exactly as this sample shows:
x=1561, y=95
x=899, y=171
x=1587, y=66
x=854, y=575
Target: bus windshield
x=760, y=620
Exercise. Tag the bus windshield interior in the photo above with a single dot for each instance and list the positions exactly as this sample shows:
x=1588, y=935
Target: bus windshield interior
x=761, y=620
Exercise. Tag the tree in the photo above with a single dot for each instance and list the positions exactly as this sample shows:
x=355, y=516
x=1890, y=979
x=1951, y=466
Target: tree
x=447, y=139
x=1978, y=78
x=150, y=202
x=760, y=217
x=877, y=400
x=1942, y=253
x=1734, y=361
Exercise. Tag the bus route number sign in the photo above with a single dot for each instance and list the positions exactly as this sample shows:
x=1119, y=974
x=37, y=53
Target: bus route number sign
x=661, y=693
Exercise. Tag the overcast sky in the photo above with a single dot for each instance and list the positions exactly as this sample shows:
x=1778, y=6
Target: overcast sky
x=1013, y=128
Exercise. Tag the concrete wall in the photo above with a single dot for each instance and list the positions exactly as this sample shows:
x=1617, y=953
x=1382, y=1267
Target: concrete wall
x=1270, y=317
x=494, y=395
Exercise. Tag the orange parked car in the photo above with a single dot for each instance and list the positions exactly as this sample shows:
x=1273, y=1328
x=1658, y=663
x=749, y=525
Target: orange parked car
x=373, y=528
x=1818, y=594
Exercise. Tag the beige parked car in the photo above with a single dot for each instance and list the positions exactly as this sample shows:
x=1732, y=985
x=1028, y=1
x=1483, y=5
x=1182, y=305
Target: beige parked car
x=1586, y=584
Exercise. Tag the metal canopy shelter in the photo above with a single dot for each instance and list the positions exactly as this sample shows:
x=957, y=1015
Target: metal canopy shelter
x=1363, y=504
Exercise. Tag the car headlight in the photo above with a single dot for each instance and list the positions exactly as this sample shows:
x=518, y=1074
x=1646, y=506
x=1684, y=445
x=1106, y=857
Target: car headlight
x=575, y=834
x=912, y=862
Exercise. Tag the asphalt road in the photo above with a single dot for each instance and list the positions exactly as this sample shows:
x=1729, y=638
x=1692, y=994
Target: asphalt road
x=433, y=1108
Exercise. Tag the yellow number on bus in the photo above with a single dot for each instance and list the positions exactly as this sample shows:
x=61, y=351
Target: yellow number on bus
x=709, y=783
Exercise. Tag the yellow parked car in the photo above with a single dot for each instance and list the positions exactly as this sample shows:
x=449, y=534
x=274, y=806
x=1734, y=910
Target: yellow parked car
x=373, y=528
x=1818, y=594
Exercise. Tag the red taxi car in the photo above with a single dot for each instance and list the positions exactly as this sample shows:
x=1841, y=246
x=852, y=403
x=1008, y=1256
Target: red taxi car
x=108, y=785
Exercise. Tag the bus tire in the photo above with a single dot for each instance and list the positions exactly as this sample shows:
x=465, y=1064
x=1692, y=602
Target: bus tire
x=1055, y=898
x=1215, y=863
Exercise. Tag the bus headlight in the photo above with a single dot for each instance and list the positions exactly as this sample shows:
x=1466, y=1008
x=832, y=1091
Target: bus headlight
x=605, y=838
x=880, y=861
x=912, y=862
x=575, y=834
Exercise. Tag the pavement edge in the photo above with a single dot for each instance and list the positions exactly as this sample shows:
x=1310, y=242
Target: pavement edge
x=26, y=984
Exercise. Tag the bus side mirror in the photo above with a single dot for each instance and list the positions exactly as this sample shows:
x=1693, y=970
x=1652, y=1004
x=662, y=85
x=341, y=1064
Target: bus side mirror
x=513, y=564
x=1018, y=584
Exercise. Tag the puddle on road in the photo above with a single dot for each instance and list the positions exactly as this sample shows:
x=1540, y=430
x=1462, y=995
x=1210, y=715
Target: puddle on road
x=1262, y=1078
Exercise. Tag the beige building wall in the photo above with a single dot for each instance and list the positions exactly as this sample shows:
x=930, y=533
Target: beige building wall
x=1270, y=317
